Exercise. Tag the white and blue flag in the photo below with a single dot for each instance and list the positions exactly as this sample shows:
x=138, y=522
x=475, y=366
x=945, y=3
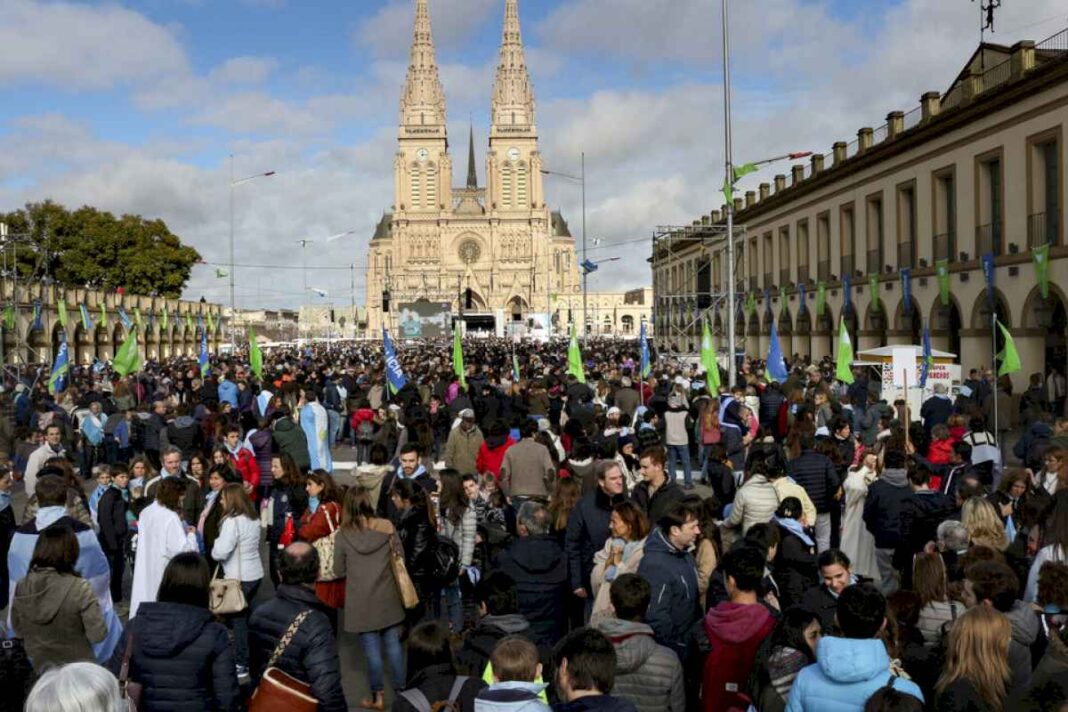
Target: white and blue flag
x=394, y=372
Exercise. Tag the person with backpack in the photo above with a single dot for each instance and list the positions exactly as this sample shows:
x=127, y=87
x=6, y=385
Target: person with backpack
x=1032, y=445
x=434, y=685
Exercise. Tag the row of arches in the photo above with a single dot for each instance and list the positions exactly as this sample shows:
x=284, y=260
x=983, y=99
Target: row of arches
x=102, y=343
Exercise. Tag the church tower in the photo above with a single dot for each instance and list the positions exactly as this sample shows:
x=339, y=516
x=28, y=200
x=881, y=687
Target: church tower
x=423, y=168
x=513, y=171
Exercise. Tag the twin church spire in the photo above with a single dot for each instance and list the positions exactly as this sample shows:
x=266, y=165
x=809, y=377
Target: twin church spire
x=423, y=101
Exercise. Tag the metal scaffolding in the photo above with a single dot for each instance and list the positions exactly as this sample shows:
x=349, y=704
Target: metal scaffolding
x=681, y=303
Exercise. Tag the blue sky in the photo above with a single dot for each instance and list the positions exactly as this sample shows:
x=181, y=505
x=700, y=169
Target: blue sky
x=135, y=106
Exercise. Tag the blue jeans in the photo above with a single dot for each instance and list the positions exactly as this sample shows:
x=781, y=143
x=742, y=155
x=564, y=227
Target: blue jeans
x=454, y=606
x=238, y=623
x=333, y=419
x=682, y=452
x=371, y=643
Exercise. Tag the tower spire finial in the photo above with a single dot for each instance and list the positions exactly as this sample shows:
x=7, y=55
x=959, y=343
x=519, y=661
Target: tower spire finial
x=423, y=101
x=513, y=95
x=472, y=175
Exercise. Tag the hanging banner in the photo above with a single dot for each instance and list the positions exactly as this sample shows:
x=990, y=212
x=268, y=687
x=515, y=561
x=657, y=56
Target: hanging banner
x=873, y=287
x=942, y=270
x=906, y=290
x=988, y=275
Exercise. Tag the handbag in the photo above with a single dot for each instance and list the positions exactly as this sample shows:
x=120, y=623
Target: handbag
x=325, y=546
x=16, y=674
x=409, y=596
x=227, y=597
x=129, y=690
x=279, y=691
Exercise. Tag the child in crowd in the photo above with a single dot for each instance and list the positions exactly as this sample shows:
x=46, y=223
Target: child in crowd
x=516, y=684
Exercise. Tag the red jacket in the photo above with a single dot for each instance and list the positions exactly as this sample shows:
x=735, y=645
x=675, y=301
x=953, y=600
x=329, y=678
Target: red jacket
x=490, y=459
x=359, y=416
x=940, y=452
x=735, y=632
x=245, y=464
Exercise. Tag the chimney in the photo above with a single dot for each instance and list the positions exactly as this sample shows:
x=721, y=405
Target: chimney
x=706, y=219
x=780, y=183
x=930, y=105
x=1022, y=57
x=715, y=217
x=973, y=85
x=864, y=139
x=817, y=163
x=750, y=198
x=839, y=151
x=737, y=205
x=765, y=191
x=797, y=174
x=895, y=124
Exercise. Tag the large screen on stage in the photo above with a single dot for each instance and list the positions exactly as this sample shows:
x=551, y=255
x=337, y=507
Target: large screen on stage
x=424, y=320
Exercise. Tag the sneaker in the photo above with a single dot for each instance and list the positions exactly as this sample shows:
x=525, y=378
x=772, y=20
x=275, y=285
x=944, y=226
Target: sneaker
x=242, y=674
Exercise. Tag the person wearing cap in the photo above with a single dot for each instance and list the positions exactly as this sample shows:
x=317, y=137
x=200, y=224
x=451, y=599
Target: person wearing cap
x=626, y=398
x=465, y=440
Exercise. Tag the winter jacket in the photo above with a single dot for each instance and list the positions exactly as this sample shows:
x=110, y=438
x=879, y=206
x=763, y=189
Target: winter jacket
x=815, y=472
x=58, y=617
x=627, y=400
x=662, y=500
x=379, y=480
x=648, y=674
x=883, y=508
x=461, y=450
x=539, y=568
x=462, y=533
x=785, y=487
x=1049, y=683
x=285, y=499
x=311, y=655
x=961, y=696
x=151, y=426
x=527, y=469
x=480, y=641
x=587, y=531
x=935, y=411
x=491, y=455
x=182, y=657
x=237, y=548
x=1031, y=447
x=676, y=601
x=111, y=519
x=228, y=392
x=754, y=503
x=417, y=537
x=846, y=673
x=921, y=513
x=372, y=601
x=770, y=401
x=675, y=431
x=512, y=697
x=596, y=703
x=184, y=434
x=435, y=682
x=290, y=439
x=192, y=499
x=245, y=465
x=735, y=632
x=260, y=441
x=794, y=567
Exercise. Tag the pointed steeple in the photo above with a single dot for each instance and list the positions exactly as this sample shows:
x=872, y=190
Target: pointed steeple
x=472, y=175
x=513, y=95
x=423, y=101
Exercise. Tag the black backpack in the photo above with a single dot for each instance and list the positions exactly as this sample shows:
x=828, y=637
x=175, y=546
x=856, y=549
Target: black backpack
x=446, y=560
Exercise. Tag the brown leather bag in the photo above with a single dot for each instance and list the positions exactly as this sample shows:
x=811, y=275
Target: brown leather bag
x=129, y=690
x=279, y=691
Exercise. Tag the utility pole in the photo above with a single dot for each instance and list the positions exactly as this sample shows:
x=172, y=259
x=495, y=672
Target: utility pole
x=585, y=274
x=732, y=367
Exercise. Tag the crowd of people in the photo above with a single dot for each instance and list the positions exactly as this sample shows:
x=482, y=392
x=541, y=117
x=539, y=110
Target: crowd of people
x=521, y=536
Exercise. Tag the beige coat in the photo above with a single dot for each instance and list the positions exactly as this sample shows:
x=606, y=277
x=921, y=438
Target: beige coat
x=602, y=602
x=362, y=558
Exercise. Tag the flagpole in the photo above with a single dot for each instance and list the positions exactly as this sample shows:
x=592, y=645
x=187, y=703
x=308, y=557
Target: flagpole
x=731, y=318
x=994, y=370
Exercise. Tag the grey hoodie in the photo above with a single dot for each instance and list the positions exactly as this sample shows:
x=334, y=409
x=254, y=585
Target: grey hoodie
x=647, y=673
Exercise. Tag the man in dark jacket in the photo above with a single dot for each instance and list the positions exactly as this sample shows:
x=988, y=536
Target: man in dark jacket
x=936, y=409
x=182, y=433
x=151, y=427
x=587, y=526
x=499, y=617
x=1031, y=448
x=311, y=655
x=920, y=516
x=883, y=509
x=815, y=472
x=770, y=401
x=290, y=438
x=656, y=494
x=537, y=564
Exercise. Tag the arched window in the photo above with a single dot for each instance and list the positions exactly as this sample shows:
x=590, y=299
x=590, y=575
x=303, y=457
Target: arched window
x=628, y=324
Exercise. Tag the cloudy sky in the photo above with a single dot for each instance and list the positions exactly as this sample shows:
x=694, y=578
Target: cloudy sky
x=137, y=106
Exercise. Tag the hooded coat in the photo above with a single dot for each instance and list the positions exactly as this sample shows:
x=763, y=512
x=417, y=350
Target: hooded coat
x=480, y=641
x=846, y=673
x=291, y=440
x=374, y=603
x=648, y=674
x=735, y=632
x=58, y=617
x=884, y=506
x=182, y=657
x=539, y=569
x=676, y=600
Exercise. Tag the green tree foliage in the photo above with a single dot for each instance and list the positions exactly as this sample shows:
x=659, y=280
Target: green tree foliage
x=90, y=247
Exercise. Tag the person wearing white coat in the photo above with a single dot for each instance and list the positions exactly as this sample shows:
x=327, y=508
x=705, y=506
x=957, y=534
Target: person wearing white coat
x=161, y=535
x=237, y=549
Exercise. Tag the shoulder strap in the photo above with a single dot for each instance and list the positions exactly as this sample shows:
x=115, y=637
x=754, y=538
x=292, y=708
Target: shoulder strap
x=287, y=638
x=416, y=699
x=457, y=686
x=124, y=669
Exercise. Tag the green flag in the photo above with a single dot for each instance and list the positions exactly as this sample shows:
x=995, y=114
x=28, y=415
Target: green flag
x=574, y=358
x=782, y=296
x=942, y=270
x=844, y=366
x=255, y=356
x=165, y=319
x=62, y=309
x=103, y=316
x=128, y=358
x=873, y=286
x=189, y=321
x=9, y=317
x=137, y=318
x=1041, y=257
x=750, y=305
x=220, y=273
x=211, y=323
x=458, y=356
x=739, y=173
x=1010, y=359
x=821, y=298
x=709, y=361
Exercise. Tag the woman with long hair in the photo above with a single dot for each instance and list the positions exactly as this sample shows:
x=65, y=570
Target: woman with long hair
x=1008, y=498
x=237, y=549
x=199, y=468
x=790, y=647
x=565, y=495
x=708, y=427
x=286, y=504
x=976, y=675
x=374, y=608
x=929, y=581
x=984, y=526
x=458, y=521
x=622, y=554
x=709, y=544
x=1054, y=542
x=211, y=514
x=321, y=519
x=415, y=528
x=1053, y=477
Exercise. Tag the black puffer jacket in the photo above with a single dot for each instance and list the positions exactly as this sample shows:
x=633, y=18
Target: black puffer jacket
x=920, y=516
x=184, y=434
x=182, y=657
x=418, y=540
x=312, y=654
x=794, y=567
x=587, y=531
x=815, y=472
x=884, y=505
x=539, y=568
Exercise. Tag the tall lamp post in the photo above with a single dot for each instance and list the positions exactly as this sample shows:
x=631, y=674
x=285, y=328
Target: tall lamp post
x=580, y=179
x=233, y=298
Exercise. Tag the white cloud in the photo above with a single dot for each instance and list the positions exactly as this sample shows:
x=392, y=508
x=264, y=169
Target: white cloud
x=243, y=70
x=388, y=33
x=78, y=47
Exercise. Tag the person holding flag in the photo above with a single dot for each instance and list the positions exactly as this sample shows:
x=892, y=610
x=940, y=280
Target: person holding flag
x=574, y=359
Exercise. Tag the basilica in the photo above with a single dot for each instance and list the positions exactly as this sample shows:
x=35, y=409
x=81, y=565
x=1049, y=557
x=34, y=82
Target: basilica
x=493, y=254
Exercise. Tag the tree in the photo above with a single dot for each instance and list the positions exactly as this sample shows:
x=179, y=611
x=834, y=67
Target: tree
x=90, y=247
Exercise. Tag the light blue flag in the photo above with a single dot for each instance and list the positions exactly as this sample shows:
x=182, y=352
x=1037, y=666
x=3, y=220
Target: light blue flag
x=776, y=369
x=394, y=372
x=205, y=367
x=57, y=383
x=127, y=322
x=646, y=365
x=927, y=358
x=87, y=320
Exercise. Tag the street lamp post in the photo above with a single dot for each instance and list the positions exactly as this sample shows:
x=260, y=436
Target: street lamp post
x=233, y=298
x=304, y=242
x=732, y=367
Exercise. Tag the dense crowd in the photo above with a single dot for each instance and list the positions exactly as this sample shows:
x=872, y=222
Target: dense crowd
x=520, y=536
